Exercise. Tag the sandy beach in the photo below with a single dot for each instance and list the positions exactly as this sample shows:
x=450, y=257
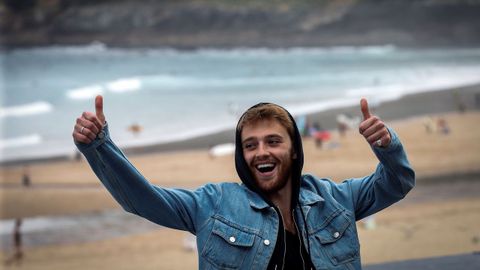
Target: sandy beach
x=439, y=217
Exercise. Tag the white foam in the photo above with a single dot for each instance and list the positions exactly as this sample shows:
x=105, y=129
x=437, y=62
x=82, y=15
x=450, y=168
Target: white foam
x=20, y=141
x=26, y=109
x=435, y=80
x=116, y=86
x=383, y=93
x=86, y=92
x=165, y=81
x=94, y=47
x=124, y=85
x=295, y=51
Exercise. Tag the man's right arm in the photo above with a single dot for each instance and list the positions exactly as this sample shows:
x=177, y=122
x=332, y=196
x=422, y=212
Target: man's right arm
x=174, y=208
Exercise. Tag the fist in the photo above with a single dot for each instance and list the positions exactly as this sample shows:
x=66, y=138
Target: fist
x=88, y=125
x=373, y=128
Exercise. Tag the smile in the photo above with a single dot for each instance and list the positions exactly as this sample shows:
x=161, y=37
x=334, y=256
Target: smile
x=265, y=167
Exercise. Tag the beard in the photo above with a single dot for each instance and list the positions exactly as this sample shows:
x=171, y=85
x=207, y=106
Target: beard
x=276, y=185
x=282, y=178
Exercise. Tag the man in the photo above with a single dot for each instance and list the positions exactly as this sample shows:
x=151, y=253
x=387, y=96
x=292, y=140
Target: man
x=278, y=218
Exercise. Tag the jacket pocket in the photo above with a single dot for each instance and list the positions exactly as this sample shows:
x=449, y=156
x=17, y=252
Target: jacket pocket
x=227, y=246
x=338, y=239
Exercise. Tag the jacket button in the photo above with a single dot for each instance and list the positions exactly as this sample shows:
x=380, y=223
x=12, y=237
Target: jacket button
x=336, y=235
x=232, y=239
x=101, y=135
x=266, y=242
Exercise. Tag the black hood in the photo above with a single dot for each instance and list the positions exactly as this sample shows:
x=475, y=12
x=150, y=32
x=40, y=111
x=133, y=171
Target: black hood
x=246, y=176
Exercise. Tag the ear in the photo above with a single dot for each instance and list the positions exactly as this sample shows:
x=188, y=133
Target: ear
x=294, y=155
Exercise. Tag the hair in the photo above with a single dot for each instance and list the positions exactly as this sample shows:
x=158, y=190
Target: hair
x=267, y=111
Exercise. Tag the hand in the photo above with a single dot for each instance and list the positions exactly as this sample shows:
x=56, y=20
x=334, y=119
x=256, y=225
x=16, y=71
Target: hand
x=373, y=128
x=88, y=125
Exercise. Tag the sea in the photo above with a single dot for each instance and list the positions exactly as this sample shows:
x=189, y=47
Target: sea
x=174, y=95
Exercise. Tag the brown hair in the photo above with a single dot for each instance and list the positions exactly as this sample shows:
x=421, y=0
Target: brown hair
x=267, y=111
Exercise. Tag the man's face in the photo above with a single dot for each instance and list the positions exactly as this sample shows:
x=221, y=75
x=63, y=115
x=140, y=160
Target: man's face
x=267, y=149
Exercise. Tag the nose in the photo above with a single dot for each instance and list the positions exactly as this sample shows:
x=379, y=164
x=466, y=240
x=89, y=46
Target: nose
x=262, y=151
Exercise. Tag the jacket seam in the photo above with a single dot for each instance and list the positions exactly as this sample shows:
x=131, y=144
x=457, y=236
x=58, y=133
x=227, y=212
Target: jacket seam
x=117, y=184
x=217, y=204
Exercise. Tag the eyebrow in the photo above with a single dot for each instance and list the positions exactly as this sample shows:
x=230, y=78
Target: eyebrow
x=270, y=136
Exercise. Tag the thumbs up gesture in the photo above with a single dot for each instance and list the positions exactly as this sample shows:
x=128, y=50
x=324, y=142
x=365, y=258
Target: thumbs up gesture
x=373, y=128
x=89, y=124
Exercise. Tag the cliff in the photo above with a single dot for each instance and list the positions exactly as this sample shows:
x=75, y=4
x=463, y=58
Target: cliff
x=247, y=23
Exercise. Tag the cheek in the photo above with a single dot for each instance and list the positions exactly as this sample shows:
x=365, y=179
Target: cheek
x=247, y=156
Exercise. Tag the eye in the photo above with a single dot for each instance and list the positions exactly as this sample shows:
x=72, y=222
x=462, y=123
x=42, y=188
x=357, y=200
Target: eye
x=249, y=146
x=274, y=141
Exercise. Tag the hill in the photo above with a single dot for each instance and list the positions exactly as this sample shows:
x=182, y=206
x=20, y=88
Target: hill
x=247, y=23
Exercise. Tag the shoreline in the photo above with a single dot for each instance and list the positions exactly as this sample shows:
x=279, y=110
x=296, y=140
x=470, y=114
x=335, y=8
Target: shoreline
x=408, y=106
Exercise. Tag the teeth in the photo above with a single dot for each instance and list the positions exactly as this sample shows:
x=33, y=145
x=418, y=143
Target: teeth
x=263, y=166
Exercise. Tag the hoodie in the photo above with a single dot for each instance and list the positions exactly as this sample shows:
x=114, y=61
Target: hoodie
x=284, y=247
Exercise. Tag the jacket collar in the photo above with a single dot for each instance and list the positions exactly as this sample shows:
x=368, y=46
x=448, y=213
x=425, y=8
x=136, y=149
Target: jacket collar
x=306, y=198
x=256, y=201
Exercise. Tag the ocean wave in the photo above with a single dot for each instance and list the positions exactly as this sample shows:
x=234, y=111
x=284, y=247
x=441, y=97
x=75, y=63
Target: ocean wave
x=26, y=109
x=95, y=47
x=167, y=82
x=293, y=51
x=20, y=141
x=417, y=81
x=86, y=92
x=116, y=86
x=124, y=85
x=382, y=93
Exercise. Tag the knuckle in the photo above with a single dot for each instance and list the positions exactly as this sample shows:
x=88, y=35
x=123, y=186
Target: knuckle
x=86, y=115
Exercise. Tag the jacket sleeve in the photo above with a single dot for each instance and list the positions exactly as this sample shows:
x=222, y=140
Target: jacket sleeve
x=391, y=181
x=174, y=208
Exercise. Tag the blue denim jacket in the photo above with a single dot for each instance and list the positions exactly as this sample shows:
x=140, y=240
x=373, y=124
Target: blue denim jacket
x=237, y=229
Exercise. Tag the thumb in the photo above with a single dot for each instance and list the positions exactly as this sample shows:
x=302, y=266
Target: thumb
x=99, y=109
x=364, y=108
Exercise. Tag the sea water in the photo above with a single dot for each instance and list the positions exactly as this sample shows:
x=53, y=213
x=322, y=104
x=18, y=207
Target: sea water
x=175, y=95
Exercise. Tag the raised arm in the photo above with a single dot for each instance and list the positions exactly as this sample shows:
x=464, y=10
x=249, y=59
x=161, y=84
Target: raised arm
x=393, y=177
x=174, y=208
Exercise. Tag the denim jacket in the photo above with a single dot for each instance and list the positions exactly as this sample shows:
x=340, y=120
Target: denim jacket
x=237, y=229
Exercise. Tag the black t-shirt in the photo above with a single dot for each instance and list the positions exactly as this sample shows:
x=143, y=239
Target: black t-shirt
x=293, y=258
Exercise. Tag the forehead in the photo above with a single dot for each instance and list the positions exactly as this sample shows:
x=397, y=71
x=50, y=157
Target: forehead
x=262, y=128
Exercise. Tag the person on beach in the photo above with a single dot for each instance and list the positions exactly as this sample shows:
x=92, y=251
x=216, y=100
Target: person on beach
x=277, y=218
x=17, y=254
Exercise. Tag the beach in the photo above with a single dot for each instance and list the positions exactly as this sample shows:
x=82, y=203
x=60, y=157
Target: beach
x=439, y=217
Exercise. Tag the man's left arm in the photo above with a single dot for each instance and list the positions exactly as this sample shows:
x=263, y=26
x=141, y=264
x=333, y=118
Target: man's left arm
x=391, y=181
x=393, y=177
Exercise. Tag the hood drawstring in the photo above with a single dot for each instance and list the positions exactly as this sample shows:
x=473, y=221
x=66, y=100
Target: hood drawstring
x=306, y=231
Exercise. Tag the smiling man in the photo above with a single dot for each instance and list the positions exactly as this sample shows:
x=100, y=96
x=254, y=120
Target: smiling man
x=278, y=218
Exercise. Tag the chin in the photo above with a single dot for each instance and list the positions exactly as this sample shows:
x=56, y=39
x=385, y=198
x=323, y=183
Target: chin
x=271, y=186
